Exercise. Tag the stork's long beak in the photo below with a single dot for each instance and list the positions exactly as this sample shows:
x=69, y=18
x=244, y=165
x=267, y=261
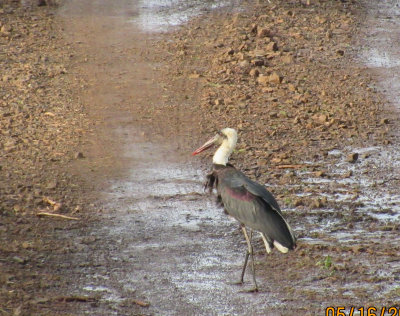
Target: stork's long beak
x=206, y=145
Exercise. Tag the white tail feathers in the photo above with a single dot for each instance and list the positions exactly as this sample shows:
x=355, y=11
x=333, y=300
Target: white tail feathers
x=281, y=248
x=276, y=244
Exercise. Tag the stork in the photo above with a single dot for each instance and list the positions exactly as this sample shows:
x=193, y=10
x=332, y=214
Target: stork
x=247, y=201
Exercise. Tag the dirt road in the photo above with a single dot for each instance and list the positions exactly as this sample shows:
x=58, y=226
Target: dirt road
x=148, y=240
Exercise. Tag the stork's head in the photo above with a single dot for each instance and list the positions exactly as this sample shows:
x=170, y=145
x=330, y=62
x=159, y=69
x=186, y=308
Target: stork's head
x=227, y=139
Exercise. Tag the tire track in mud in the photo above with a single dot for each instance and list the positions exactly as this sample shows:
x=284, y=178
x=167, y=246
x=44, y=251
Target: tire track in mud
x=159, y=239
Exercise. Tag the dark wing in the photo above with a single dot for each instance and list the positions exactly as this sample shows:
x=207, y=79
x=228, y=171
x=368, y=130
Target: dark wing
x=254, y=206
x=257, y=190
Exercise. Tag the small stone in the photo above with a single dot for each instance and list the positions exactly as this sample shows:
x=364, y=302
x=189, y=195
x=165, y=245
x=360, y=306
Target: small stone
x=79, y=155
x=320, y=174
x=357, y=249
x=254, y=73
x=263, y=80
x=20, y=260
x=194, y=76
x=352, y=157
x=347, y=174
x=258, y=62
x=263, y=32
x=240, y=56
x=52, y=185
x=6, y=29
x=298, y=202
x=340, y=52
x=274, y=78
x=320, y=118
x=287, y=59
x=271, y=46
x=244, y=63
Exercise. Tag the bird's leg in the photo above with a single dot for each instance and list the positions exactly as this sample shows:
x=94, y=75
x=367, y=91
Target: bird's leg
x=252, y=264
x=244, y=266
x=249, y=252
x=266, y=243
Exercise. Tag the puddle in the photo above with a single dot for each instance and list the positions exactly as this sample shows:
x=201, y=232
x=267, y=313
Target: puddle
x=165, y=242
x=162, y=15
x=171, y=242
x=381, y=51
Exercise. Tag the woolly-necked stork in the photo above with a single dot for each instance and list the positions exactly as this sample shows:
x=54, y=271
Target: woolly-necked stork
x=247, y=201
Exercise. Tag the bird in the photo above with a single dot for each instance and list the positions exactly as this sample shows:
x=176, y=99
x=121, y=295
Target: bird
x=247, y=201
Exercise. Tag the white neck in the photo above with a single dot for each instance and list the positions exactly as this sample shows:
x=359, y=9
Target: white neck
x=222, y=154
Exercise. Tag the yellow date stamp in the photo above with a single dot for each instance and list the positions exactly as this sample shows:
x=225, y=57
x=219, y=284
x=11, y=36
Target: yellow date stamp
x=362, y=311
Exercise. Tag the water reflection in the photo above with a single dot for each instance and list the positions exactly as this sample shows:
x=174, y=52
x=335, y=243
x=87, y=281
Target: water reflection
x=161, y=15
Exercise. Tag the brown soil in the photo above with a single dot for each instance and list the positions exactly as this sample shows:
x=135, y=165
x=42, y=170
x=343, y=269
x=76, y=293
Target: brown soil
x=284, y=74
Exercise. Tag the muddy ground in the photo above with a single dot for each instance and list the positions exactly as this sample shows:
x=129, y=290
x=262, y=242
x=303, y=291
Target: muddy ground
x=88, y=99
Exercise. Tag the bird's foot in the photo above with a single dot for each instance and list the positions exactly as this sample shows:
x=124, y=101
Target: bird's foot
x=252, y=290
x=240, y=282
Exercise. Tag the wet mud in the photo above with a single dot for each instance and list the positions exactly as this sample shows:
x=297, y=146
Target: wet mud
x=155, y=242
x=165, y=244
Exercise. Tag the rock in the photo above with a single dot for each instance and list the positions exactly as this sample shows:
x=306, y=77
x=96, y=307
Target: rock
x=20, y=260
x=320, y=118
x=219, y=102
x=274, y=78
x=258, y=62
x=6, y=78
x=254, y=73
x=79, y=155
x=240, y=56
x=357, y=249
x=258, y=53
x=287, y=59
x=194, y=76
x=263, y=32
x=254, y=28
x=352, y=157
x=244, y=63
x=291, y=87
x=17, y=208
x=263, y=80
x=340, y=52
x=347, y=174
x=298, y=202
x=51, y=185
x=271, y=46
x=320, y=174
x=6, y=29
x=296, y=120
x=318, y=202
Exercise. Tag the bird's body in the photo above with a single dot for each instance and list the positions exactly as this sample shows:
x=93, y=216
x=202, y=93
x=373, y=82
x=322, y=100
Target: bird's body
x=246, y=200
x=253, y=206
